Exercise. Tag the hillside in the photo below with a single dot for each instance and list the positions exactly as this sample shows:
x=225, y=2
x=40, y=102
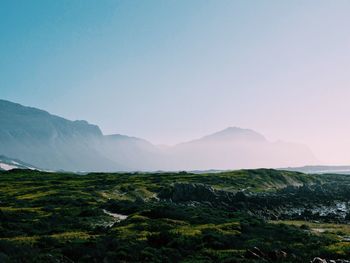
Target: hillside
x=47, y=141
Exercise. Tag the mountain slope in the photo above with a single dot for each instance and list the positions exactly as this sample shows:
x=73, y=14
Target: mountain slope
x=48, y=141
x=132, y=152
x=7, y=164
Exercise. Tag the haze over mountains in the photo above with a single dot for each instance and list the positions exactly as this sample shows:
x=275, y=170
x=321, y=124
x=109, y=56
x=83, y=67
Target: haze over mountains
x=50, y=142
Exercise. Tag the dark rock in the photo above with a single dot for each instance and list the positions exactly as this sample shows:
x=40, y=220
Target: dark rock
x=277, y=255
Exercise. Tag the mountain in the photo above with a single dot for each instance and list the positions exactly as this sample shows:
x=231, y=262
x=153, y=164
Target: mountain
x=50, y=142
x=233, y=134
x=7, y=164
x=236, y=148
x=54, y=143
x=135, y=153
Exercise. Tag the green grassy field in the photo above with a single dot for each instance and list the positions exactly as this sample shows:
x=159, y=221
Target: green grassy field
x=55, y=217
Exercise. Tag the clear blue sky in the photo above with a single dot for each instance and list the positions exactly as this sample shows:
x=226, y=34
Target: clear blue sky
x=170, y=70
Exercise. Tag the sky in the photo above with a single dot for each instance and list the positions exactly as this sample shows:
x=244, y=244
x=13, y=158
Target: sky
x=169, y=71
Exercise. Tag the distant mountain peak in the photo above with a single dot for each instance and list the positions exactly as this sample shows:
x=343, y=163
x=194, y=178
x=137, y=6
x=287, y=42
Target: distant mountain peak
x=235, y=133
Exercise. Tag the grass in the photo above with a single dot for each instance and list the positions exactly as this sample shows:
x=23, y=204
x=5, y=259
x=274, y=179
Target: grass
x=317, y=227
x=60, y=216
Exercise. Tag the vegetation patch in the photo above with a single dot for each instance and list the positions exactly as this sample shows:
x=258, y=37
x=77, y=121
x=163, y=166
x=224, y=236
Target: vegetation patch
x=170, y=217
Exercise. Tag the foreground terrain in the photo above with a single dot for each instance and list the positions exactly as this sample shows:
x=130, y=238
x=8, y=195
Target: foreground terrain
x=240, y=216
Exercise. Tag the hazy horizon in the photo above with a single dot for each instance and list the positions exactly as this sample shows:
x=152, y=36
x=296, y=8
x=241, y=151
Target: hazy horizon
x=171, y=71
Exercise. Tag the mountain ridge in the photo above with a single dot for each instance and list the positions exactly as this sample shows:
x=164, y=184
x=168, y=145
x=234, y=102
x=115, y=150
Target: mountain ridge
x=54, y=143
x=235, y=133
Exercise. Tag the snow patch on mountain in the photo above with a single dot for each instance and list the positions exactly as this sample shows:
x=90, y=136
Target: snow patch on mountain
x=7, y=164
